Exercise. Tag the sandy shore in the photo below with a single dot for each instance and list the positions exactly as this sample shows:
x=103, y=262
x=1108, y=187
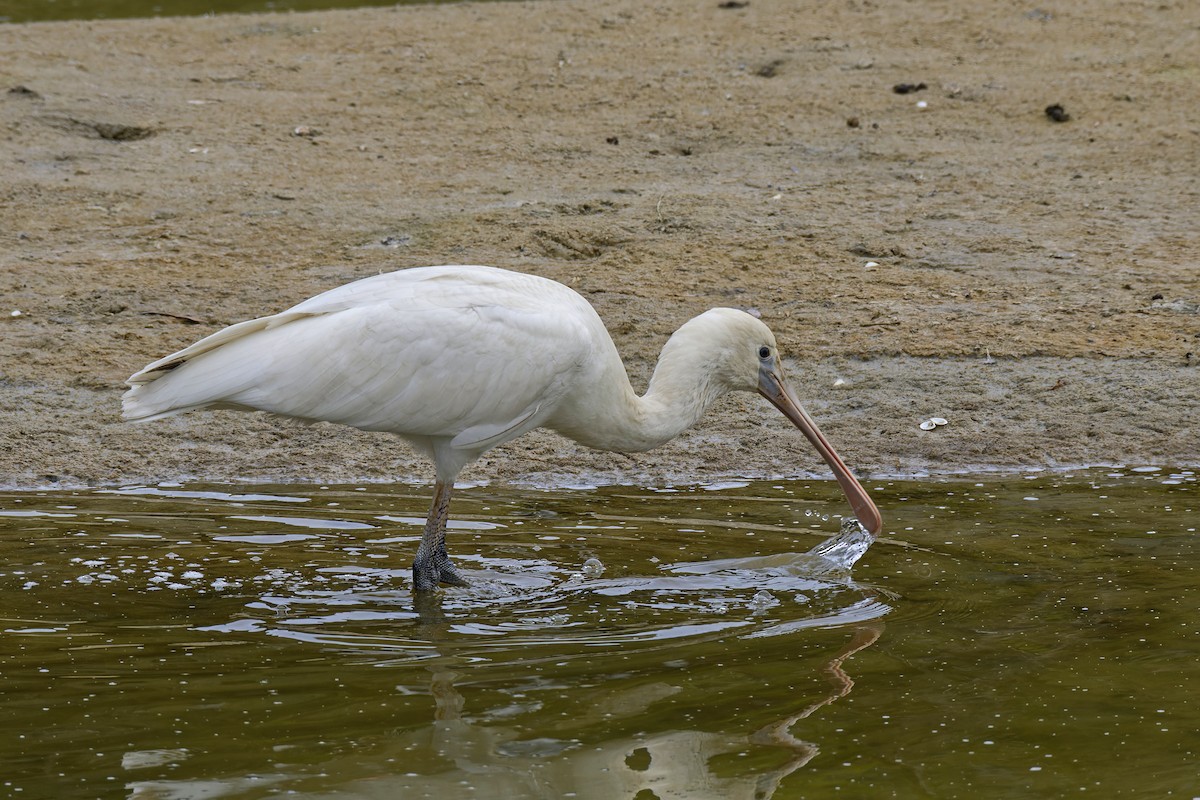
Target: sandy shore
x=950, y=251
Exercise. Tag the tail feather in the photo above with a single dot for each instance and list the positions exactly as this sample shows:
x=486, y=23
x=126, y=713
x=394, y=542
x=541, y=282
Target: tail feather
x=161, y=389
x=156, y=369
x=140, y=409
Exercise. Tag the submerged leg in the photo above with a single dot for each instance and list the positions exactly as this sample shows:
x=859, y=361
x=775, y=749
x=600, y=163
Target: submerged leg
x=432, y=565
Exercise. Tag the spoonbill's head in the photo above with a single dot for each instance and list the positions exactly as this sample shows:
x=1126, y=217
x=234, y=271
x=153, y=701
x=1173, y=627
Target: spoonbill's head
x=726, y=346
x=744, y=356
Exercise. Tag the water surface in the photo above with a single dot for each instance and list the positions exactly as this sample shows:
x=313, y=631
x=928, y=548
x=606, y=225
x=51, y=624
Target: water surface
x=1023, y=636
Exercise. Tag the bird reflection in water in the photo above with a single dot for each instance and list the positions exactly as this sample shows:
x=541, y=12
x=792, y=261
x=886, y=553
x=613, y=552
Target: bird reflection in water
x=670, y=764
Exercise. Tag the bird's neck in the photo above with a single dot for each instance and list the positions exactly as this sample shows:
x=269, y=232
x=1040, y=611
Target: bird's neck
x=681, y=390
x=613, y=417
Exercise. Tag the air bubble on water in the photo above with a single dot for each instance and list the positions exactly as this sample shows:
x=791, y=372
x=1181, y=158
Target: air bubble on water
x=763, y=600
x=592, y=568
x=801, y=598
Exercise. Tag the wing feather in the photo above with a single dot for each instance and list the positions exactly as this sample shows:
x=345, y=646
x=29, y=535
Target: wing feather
x=472, y=354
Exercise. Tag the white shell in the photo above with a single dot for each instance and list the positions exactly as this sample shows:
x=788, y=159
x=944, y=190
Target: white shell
x=938, y=421
x=928, y=425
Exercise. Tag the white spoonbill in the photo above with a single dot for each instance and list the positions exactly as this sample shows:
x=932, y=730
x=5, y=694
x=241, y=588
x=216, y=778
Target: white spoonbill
x=459, y=359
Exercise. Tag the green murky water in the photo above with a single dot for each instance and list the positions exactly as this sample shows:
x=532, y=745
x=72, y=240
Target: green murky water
x=1031, y=636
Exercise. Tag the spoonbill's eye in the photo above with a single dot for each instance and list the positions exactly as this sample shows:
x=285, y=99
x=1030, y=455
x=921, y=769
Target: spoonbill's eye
x=764, y=352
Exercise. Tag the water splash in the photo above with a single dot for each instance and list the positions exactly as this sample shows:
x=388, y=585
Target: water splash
x=840, y=552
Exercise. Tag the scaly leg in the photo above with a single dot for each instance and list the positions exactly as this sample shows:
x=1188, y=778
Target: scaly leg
x=432, y=565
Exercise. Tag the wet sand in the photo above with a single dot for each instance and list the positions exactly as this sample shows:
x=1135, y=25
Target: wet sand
x=1032, y=281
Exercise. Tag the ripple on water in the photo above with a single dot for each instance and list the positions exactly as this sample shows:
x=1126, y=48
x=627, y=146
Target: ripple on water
x=308, y=522
x=528, y=604
x=307, y=577
x=184, y=494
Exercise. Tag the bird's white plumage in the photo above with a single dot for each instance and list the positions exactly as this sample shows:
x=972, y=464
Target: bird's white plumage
x=458, y=357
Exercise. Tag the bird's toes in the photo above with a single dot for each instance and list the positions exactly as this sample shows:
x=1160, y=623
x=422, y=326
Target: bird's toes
x=428, y=577
x=424, y=581
x=448, y=575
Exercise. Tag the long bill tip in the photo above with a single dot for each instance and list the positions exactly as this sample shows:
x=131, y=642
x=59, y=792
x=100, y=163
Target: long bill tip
x=772, y=387
x=867, y=513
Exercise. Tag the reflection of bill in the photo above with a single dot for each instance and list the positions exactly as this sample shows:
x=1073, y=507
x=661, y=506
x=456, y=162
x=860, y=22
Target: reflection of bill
x=492, y=761
x=779, y=733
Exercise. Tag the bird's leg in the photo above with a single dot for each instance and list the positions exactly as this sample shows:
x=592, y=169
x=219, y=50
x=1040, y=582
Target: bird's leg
x=432, y=565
